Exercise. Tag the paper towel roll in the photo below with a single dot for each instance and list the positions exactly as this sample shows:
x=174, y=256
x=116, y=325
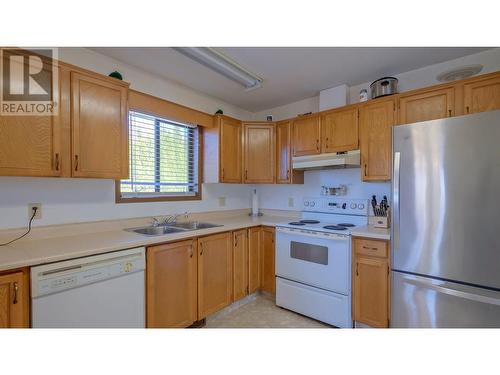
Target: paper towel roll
x=255, y=203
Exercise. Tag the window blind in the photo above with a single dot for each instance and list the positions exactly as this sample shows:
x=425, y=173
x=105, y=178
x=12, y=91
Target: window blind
x=163, y=158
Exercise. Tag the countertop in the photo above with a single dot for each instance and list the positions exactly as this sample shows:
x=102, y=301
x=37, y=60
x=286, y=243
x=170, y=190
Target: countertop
x=63, y=242
x=369, y=231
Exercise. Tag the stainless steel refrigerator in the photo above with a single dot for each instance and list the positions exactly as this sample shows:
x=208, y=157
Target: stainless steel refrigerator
x=445, y=242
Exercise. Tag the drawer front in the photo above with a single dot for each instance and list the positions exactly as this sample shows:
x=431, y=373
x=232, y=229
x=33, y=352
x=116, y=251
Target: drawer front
x=370, y=247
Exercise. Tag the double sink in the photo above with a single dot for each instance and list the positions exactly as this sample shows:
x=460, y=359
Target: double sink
x=159, y=230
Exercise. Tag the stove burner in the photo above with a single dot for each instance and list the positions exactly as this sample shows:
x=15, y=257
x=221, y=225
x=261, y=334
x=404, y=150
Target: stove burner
x=296, y=223
x=347, y=225
x=310, y=221
x=334, y=227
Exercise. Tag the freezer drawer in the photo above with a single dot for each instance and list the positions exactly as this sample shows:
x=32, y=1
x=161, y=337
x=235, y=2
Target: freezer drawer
x=322, y=305
x=420, y=302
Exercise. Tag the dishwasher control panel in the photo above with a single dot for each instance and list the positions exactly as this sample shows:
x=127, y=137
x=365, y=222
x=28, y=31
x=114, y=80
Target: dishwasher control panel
x=57, y=277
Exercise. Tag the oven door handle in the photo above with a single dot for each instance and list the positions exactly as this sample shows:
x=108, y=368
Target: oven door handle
x=307, y=233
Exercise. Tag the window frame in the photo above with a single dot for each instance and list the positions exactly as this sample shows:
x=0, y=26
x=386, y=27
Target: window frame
x=165, y=198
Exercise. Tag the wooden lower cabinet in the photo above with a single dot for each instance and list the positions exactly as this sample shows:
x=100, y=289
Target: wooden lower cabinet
x=240, y=264
x=14, y=299
x=254, y=271
x=268, y=275
x=171, y=280
x=371, y=282
x=215, y=279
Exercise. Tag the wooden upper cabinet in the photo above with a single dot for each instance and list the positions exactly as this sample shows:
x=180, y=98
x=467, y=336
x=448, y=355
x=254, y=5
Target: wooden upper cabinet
x=284, y=172
x=339, y=130
x=371, y=291
x=482, y=94
x=376, y=121
x=171, y=282
x=31, y=145
x=268, y=274
x=306, y=135
x=14, y=300
x=425, y=105
x=258, y=159
x=254, y=271
x=99, y=127
x=240, y=264
x=215, y=279
x=230, y=150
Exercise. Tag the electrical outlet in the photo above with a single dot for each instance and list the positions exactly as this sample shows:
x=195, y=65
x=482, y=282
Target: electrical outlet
x=222, y=201
x=291, y=203
x=38, y=210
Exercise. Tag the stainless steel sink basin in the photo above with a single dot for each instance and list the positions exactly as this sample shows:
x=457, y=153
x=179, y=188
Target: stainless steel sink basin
x=172, y=228
x=155, y=231
x=194, y=225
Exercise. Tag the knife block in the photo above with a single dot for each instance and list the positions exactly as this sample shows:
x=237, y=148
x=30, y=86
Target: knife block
x=382, y=221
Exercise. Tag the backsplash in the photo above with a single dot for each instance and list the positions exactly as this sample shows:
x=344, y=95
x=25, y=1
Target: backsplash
x=277, y=196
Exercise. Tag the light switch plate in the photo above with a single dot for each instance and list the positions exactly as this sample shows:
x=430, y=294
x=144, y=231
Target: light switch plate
x=38, y=211
x=222, y=201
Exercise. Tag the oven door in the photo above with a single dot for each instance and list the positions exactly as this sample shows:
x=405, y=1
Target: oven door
x=318, y=259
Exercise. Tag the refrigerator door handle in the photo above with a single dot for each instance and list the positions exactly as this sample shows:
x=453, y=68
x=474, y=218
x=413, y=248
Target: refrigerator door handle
x=430, y=284
x=395, y=200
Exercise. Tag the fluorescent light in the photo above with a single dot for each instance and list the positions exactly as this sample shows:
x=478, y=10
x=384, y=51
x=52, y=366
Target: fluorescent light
x=222, y=64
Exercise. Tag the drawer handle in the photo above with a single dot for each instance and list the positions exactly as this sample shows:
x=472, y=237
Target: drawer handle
x=370, y=248
x=16, y=288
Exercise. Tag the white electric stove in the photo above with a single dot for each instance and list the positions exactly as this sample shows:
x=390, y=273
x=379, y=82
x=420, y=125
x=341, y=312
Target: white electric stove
x=313, y=259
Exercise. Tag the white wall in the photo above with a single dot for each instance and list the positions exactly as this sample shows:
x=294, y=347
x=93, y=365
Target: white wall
x=276, y=196
x=411, y=80
x=71, y=200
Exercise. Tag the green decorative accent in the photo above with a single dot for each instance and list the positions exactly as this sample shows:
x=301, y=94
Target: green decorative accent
x=116, y=75
x=219, y=112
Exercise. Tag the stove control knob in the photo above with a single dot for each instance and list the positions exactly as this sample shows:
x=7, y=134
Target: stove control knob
x=312, y=204
x=361, y=206
x=344, y=205
x=353, y=205
x=306, y=203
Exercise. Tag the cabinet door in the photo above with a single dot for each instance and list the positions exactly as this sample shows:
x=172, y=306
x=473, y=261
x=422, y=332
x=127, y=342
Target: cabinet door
x=254, y=272
x=171, y=285
x=215, y=279
x=267, y=260
x=482, y=95
x=306, y=136
x=14, y=300
x=31, y=145
x=428, y=105
x=230, y=150
x=99, y=127
x=339, y=130
x=259, y=151
x=376, y=121
x=371, y=288
x=240, y=264
x=284, y=172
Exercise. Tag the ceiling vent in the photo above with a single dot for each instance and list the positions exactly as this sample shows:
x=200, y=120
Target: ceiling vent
x=459, y=73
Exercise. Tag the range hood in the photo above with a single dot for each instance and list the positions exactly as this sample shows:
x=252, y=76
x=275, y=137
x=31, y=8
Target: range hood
x=349, y=159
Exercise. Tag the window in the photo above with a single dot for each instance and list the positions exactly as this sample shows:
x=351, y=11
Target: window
x=164, y=160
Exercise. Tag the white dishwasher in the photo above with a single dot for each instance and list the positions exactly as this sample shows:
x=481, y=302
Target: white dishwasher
x=101, y=291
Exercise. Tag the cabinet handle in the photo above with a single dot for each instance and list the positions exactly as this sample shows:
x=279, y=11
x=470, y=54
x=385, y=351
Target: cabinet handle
x=317, y=144
x=57, y=161
x=467, y=109
x=201, y=247
x=326, y=142
x=236, y=242
x=191, y=252
x=357, y=274
x=288, y=174
x=365, y=169
x=222, y=173
x=76, y=162
x=449, y=113
x=16, y=288
x=246, y=174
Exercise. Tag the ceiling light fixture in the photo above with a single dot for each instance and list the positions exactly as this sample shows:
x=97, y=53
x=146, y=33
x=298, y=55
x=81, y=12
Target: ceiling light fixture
x=459, y=73
x=222, y=64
